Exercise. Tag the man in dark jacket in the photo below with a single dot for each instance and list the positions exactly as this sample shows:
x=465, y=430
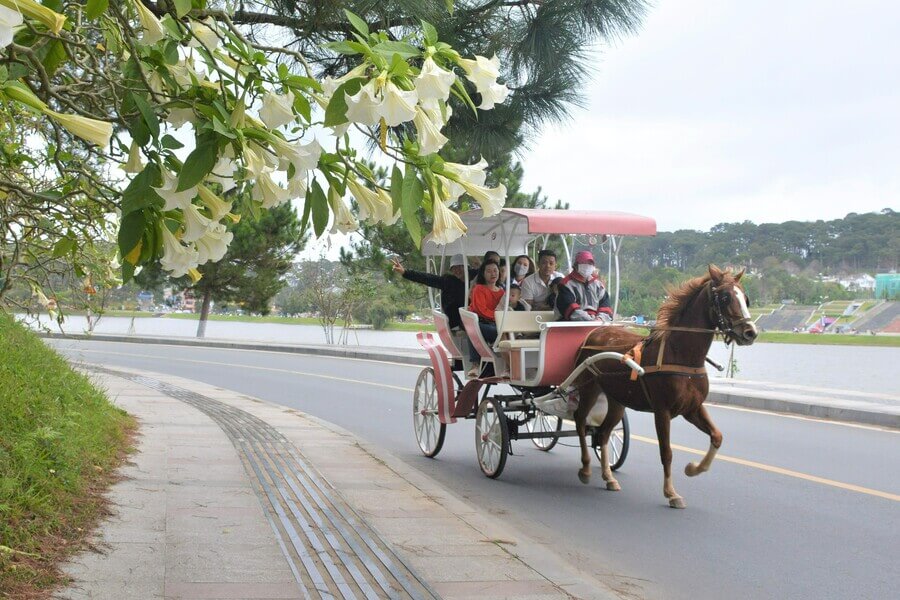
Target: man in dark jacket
x=452, y=286
x=581, y=296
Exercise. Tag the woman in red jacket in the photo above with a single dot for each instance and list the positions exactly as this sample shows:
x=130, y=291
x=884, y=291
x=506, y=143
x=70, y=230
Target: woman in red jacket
x=486, y=295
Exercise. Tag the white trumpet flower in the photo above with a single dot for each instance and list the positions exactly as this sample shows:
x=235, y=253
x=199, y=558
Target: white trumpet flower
x=218, y=207
x=214, y=244
x=483, y=72
x=389, y=203
x=177, y=117
x=331, y=84
x=253, y=161
x=297, y=186
x=304, y=157
x=173, y=199
x=153, y=30
x=277, y=109
x=223, y=173
x=205, y=34
x=344, y=221
x=474, y=174
x=429, y=135
x=31, y=9
x=438, y=112
x=195, y=224
x=399, y=105
x=268, y=193
x=448, y=227
x=496, y=93
x=9, y=20
x=364, y=106
x=491, y=200
x=90, y=130
x=177, y=258
x=134, y=163
x=372, y=206
x=433, y=82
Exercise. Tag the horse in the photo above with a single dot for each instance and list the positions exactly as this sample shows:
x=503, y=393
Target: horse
x=675, y=381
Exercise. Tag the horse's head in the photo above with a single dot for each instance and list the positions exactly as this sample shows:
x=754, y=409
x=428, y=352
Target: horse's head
x=729, y=306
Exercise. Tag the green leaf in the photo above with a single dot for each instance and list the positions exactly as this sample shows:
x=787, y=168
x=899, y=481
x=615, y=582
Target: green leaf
x=343, y=48
x=199, y=162
x=4, y=74
x=389, y=48
x=412, y=200
x=431, y=36
x=139, y=194
x=131, y=232
x=449, y=5
x=63, y=247
x=397, y=189
x=399, y=66
x=182, y=7
x=170, y=142
x=336, y=112
x=307, y=209
x=95, y=8
x=56, y=55
x=319, y=208
x=459, y=90
x=301, y=105
x=357, y=22
x=150, y=118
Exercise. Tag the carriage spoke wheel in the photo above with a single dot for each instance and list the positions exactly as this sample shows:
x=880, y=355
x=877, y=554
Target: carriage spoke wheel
x=618, y=444
x=544, y=423
x=428, y=427
x=491, y=437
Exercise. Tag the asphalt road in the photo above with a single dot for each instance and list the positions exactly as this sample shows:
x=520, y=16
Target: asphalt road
x=792, y=508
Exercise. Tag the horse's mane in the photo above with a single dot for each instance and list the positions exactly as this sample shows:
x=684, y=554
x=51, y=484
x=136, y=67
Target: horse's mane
x=677, y=301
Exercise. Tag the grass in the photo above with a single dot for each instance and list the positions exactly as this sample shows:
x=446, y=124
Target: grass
x=60, y=441
x=833, y=339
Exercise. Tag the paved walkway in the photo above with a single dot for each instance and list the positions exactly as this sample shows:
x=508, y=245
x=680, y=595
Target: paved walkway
x=231, y=497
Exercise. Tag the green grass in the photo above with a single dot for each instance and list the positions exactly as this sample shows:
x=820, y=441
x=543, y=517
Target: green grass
x=247, y=318
x=59, y=441
x=833, y=339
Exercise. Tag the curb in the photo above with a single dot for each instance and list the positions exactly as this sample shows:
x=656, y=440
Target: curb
x=787, y=401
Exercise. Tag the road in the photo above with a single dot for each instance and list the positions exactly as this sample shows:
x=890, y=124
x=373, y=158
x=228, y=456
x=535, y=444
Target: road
x=793, y=508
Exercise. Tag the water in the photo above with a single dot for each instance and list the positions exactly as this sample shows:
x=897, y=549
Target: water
x=859, y=368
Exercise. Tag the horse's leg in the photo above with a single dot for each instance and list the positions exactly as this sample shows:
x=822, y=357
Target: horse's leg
x=613, y=417
x=700, y=419
x=587, y=398
x=663, y=420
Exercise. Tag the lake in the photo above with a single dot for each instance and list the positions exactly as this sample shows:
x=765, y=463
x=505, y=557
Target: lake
x=860, y=368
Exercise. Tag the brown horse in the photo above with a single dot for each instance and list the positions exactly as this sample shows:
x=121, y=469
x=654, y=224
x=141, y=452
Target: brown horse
x=675, y=381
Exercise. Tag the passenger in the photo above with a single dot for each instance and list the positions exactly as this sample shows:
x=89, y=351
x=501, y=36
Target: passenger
x=536, y=287
x=502, y=281
x=523, y=266
x=581, y=296
x=486, y=295
x=452, y=286
x=489, y=256
x=515, y=298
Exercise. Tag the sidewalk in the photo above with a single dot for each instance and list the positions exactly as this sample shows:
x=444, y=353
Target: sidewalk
x=228, y=496
x=874, y=409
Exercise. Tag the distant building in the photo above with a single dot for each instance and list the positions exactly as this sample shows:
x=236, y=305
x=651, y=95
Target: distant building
x=887, y=286
x=858, y=283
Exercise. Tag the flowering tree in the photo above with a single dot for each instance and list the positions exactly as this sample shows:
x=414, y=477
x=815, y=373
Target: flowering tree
x=116, y=83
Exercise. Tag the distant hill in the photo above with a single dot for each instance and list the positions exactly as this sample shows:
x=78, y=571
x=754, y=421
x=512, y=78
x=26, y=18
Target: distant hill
x=867, y=242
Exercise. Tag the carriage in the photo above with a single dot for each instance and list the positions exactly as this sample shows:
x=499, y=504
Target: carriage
x=532, y=362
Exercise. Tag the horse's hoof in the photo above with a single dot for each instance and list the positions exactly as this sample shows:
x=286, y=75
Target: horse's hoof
x=613, y=486
x=677, y=502
x=584, y=478
x=692, y=469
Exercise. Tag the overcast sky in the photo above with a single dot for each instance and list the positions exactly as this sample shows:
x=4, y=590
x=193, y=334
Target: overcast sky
x=728, y=111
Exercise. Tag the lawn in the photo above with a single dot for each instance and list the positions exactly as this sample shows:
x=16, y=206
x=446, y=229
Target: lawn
x=834, y=339
x=60, y=442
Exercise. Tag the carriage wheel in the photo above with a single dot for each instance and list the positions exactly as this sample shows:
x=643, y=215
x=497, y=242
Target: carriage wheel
x=543, y=423
x=426, y=423
x=618, y=444
x=491, y=437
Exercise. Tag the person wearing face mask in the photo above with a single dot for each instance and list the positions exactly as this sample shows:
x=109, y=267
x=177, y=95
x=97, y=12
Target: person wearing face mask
x=581, y=296
x=522, y=268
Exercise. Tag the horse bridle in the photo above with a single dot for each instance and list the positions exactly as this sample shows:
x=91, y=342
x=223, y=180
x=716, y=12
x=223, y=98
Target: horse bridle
x=718, y=298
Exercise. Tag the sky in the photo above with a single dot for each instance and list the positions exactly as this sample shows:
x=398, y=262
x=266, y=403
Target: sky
x=715, y=112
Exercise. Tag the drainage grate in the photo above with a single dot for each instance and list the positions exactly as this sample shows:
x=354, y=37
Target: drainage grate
x=331, y=550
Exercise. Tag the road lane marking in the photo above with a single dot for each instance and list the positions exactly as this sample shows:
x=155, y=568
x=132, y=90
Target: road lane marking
x=240, y=366
x=739, y=461
x=779, y=470
x=710, y=404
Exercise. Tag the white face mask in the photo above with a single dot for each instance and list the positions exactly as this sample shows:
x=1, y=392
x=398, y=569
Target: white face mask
x=521, y=271
x=586, y=271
